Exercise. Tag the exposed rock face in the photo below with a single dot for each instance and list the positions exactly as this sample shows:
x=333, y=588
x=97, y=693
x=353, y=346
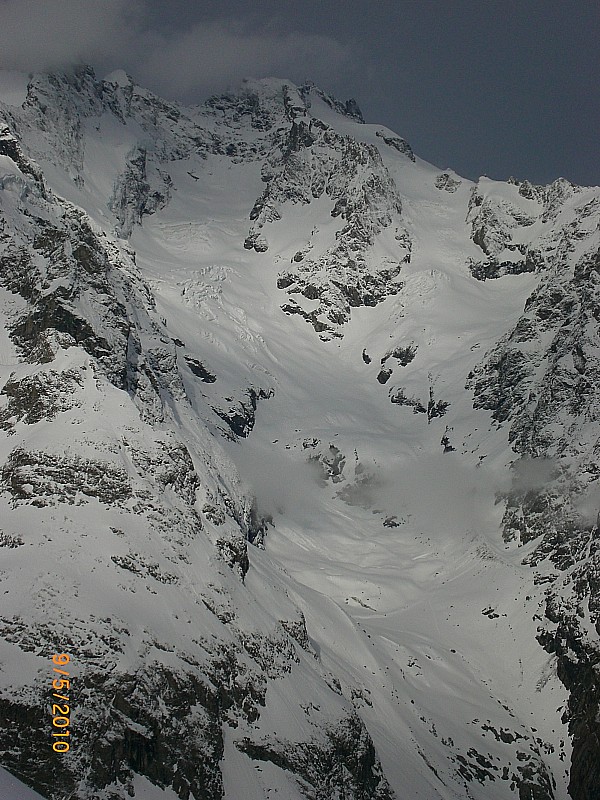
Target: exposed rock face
x=499, y=228
x=401, y=145
x=447, y=183
x=348, y=109
x=134, y=197
x=9, y=146
x=330, y=459
x=352, y=175
x=307, y=161
x=241, y=416
x=344, y=762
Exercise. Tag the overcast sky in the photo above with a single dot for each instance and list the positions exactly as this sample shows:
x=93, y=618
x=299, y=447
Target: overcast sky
x=495, y=87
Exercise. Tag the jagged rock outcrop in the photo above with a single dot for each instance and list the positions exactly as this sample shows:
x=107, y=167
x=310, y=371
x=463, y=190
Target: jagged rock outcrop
x=344, y=763
x=134, y=196
x=307, y=161
x=364, y=197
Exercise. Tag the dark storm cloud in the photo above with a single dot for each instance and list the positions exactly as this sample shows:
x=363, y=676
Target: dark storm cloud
x=37, y=35
x=179, y=62
x=498, y=87
x=208, y=55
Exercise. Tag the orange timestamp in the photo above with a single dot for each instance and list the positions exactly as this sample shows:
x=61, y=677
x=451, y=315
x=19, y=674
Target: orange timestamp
x=61, y=713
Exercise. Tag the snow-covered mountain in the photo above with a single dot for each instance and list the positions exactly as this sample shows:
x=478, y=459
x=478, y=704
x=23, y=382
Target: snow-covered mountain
x=299, y=456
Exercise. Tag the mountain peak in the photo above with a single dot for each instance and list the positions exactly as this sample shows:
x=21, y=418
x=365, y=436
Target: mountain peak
x=348, y=108
x=282, y=90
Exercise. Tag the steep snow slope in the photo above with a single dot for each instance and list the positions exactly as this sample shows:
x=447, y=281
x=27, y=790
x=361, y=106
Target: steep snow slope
x=267, y=281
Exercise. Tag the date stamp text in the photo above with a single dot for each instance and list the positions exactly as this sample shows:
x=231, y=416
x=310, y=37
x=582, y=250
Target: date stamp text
x=61, y=718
